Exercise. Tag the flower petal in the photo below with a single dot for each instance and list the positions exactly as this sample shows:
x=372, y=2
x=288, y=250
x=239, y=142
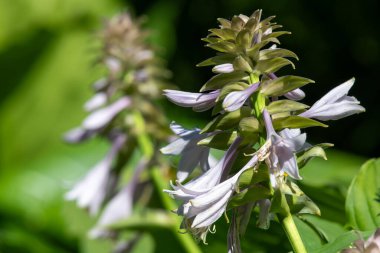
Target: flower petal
x=236, y=99
x=102, y=117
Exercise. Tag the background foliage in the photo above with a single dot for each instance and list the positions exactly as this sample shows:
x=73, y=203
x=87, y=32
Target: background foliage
x=47, y=51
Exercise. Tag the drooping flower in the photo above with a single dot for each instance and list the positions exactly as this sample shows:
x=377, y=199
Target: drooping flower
x=78, y=134
x=91, y=191
x=335, y=104
x=281, y=155
x=201, y=211
x=103, y=116
x=236, y=99
x=192, y=154
x=198, y=101
x=120, y=206
x=208, y=179
x=97, y=101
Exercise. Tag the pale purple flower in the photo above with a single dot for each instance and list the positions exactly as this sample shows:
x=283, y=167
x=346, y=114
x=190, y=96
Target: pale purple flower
x=120, y=207
x=191, y=153
x=296, y=94
x=91, y=191
x=101, y=117
x=208, y=179
x=78, y=134
x=97, y=101
x=335, y=104
x=100, y=84
x=236, y=99
x=223, y=68
x=208, y=207
x=198, y=101
x=113, y=64
x=281, y=155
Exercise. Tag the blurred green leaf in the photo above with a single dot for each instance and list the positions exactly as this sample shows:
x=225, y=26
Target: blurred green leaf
x=362, y=209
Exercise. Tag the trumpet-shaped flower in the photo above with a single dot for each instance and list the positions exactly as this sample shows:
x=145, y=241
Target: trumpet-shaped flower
x=335, y=104
x=206, y=208
x=103, y=116
x=198, y=101
x=91, y=191
x=281, y=155
x=120, y=206
x=236, y=99
x=208, y=179
x=191, y=153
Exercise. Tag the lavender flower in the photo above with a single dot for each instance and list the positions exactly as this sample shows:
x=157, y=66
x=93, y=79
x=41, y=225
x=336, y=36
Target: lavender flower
x=208, y=179
x=102, y=117
x=120, y=207
x=335, y=104
x=198, y=101
x=281, y=157
x=236, y=99
x=91, y=191
x=98, y=100
x=78, y=134
x=296, y=94
x=191, y=153
x=223, y=68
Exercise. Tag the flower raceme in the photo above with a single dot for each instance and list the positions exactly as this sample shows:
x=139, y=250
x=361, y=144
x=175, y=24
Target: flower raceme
x=122, y=110
x=257, y=120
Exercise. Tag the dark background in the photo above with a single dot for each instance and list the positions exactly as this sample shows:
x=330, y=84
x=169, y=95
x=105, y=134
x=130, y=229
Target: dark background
x=47, y=55
x=335, y=40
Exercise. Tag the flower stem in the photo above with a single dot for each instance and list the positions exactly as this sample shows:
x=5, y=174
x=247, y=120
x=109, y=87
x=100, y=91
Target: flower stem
x=186, y=240
x=292, y=233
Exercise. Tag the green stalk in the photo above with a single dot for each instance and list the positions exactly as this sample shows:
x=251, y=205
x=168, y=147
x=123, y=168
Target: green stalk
x=147, y=149
x=292, y=233
x=185, y=239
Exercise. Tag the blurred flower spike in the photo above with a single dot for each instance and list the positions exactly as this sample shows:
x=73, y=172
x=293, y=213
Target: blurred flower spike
x=257, y=120
x=122, y=111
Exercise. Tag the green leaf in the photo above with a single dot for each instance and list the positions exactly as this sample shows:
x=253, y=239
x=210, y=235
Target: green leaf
x=285, y=105
x=216, y=60
x=362, y=209
x=276, y=52
x=284, y=84
x=343, y=241
x=219, y=141
x=273, y=65
x=218, y=81
x=222, y=46
x=253, y=193
x=244, y=38
x=224, y=33
x=276, y=34
x=249, y=126
x=237, y=23
x=315, y=151
x=295, y=122
x=241, y=64
x=227, y=120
